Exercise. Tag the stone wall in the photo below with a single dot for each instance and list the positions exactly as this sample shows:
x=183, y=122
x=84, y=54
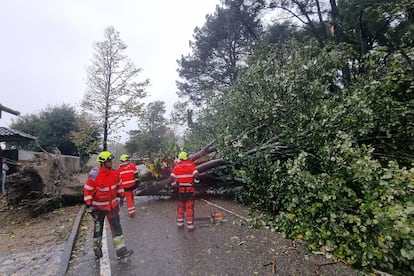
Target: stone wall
x=72, y=163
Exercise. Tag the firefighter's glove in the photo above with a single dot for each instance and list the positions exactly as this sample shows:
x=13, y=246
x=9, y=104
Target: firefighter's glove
x=91, y=211
x=121, y=201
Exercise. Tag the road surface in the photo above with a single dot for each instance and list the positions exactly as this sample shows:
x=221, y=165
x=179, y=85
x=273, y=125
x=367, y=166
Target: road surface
x=230, y=247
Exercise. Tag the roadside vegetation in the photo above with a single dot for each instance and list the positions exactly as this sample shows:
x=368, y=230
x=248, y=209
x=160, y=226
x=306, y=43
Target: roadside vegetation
x=318, y=122
x=312, y=106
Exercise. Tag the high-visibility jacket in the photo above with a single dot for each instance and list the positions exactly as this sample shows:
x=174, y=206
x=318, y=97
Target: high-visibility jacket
x=128, y=172
x=184, y=173
x=103, y=188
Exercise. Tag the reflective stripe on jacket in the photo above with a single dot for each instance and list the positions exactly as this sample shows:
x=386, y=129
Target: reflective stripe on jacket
x=128, y=171
x=184, y=172
x=102, y=188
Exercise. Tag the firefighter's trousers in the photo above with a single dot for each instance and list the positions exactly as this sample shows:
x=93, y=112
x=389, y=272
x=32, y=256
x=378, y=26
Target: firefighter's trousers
x=185, y=205
x=116, y=230
x=129, y=196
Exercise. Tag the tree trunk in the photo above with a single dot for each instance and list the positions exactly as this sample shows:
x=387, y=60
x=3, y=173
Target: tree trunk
x=339, y=38
x=163, y=187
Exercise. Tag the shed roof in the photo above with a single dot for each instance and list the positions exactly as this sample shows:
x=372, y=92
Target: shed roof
x=10, y=135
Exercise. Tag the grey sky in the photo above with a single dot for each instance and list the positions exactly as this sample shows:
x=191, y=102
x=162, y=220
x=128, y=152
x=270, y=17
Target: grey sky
x=46, y=45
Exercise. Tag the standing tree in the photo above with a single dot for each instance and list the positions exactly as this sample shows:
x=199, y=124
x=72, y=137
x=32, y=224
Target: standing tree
x=219, y=49
x=86, y=137
x=153, y=134
x=153, y=120
x=52, y=126
x=113, y=92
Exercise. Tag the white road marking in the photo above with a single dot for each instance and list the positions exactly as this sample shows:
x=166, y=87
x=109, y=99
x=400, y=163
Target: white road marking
x=104, y=262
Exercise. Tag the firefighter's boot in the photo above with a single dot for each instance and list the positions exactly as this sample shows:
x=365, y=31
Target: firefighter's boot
x=125, y=254
x=190, y=226
x=180, y=222
x=97, y=247
x=98, y=252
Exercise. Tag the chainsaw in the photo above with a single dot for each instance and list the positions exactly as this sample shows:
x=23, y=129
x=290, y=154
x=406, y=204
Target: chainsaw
x=215, y=217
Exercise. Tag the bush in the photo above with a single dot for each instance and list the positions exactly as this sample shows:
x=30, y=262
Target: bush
x=357, y=209
x=331, y=167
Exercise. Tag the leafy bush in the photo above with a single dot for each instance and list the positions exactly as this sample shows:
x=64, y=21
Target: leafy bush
x=357, y=209
x=331, y=167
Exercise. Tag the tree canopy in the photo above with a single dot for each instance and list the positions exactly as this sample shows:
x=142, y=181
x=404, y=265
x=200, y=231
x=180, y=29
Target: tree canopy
x=86, y=137
x=220, y=47
x=52, y=126
x=113, y=94
x=318, y=125
x=153, y=134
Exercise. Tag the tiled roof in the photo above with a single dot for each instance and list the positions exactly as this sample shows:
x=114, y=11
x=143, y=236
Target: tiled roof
x=10, y=135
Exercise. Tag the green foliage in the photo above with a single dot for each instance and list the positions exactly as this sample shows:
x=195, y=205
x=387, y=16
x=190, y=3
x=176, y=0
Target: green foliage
x=366, y=23
x=153, y=136
x=282, y=91
x=202, y=132
x=86, y=137
x=52, y=126
x=389, y=92
x=310, y=16
x=325, y=165
x=321, y=132
x=219, y=48
x=357, y=209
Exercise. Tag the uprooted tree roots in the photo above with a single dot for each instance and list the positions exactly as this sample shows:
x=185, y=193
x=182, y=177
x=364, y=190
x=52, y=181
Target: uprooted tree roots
x=38, y=184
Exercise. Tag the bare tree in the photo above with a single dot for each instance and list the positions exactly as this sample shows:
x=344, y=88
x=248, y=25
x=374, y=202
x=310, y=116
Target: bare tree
x=113, y=92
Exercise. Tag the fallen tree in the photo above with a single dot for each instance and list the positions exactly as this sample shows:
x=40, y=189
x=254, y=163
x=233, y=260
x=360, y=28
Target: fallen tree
x=205, y=164
x=42, y=185
x=208, y=164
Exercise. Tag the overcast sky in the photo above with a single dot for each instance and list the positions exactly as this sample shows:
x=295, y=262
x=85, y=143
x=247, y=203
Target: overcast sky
x=47, y=44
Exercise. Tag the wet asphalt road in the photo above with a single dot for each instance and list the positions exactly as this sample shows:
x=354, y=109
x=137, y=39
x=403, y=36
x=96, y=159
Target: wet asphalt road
x=227, y=248
x=163, y=249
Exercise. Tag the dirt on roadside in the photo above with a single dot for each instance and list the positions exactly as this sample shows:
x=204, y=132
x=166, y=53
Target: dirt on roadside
x=34, y=245
x=19, y=231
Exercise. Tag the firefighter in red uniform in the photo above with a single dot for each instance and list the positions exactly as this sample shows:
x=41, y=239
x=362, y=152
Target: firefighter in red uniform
x=129, y=176
x=102, y=194
x=184, y=175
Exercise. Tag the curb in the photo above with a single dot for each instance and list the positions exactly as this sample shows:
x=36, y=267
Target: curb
x=70, y=242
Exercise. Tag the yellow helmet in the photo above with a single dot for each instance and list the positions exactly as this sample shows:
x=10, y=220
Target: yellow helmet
x=124, y=157
x=183, y=155
x=104, y=156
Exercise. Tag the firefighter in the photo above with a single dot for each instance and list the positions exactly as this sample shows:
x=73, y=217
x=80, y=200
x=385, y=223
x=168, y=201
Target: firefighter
x=4, y=170
x=129, y=176
x=184, y=175
x=103, y=194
